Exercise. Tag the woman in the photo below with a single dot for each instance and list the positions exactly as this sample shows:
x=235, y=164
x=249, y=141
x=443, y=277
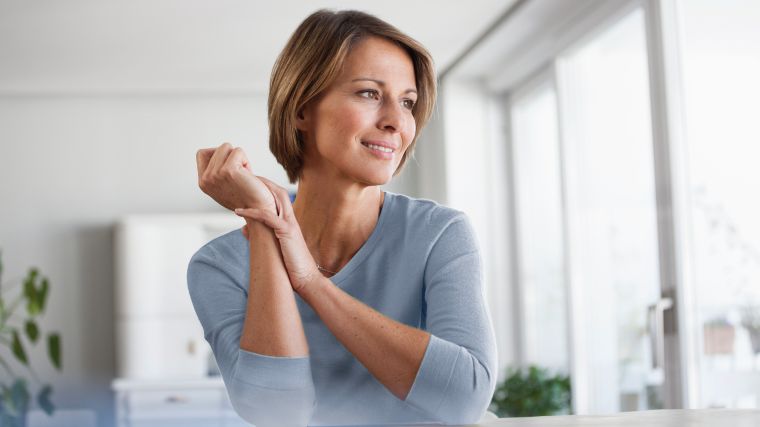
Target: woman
x=352, y=305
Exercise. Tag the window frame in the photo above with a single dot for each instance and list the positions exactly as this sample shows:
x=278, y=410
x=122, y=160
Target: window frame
x=680, y=389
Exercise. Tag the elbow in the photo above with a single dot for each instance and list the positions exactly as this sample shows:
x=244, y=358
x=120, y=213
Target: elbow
x=266, y=407
x=469, y=409
x=468, y=402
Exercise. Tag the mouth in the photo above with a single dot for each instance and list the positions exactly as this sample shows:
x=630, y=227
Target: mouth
x=380, y=149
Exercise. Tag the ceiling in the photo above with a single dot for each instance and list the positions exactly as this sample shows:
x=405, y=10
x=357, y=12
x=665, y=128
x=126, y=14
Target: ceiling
x=193, y=46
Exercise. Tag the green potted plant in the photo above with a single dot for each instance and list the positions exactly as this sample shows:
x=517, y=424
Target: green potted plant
x=20, y=308
x=532, y=392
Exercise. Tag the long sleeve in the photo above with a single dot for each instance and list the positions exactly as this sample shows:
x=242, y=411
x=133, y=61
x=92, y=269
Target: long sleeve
x=457, y=378
x=263, y=390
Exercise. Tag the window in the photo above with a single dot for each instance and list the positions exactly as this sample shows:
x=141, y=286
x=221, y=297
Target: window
x=720, y=57
x=538, y=201
x=634, y=166
x=607, y=141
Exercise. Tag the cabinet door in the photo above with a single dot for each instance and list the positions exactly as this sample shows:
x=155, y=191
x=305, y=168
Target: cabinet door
x=171, y=407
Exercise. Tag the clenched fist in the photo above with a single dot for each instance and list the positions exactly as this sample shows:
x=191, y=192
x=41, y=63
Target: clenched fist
x=225, y=174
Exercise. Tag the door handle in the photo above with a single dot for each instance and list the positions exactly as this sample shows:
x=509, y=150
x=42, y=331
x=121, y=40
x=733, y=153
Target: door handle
x=656, y=316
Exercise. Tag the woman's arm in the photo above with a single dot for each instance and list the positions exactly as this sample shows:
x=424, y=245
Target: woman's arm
x=255, y=333
x=272, y=324
x=264, y=390
x=447, y=371
x=457, y=377
x=391, y=351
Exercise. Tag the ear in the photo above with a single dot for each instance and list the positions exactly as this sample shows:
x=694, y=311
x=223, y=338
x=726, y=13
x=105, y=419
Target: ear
x=302, y=118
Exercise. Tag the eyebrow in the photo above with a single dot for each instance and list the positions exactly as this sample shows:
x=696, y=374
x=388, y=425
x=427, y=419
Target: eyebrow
x=380, y=82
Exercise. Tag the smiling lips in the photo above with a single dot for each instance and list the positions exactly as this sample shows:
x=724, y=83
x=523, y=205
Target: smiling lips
x=380, y=149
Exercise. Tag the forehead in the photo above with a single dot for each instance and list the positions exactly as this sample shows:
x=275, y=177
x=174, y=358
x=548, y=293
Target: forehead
x=381, y=59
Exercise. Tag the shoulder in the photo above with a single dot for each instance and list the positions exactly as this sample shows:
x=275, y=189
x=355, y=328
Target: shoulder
x=442, y=236
x=425, y=219
x=227, y=253
x=424, y=213
x=424, y=226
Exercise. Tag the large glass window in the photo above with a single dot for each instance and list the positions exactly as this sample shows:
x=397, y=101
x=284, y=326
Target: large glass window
x=539, y=232
x=607, y=146
x=720, y=57
x=586, y=214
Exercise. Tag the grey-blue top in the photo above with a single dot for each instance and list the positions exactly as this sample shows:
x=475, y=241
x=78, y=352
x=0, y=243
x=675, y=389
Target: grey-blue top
x=420, y=266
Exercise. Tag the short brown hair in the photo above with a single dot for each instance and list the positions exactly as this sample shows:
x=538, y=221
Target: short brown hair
x=310, y=63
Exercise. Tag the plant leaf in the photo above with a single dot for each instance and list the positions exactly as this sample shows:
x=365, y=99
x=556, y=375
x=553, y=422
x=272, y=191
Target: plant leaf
x=20, y=395
x=43, y=399
x=16, y=398
x=28, y=286
x=32, y=331
x=30, y=293
x=43, y=293
x=54, y=350
x=7, y=402
x=18, y=349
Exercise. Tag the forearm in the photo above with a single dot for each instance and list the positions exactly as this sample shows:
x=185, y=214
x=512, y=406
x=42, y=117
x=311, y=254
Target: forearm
x=272, y=324
x=391, y=351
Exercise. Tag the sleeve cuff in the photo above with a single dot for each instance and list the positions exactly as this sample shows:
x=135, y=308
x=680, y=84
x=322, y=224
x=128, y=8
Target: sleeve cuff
x=433, y=377
x=273, y=372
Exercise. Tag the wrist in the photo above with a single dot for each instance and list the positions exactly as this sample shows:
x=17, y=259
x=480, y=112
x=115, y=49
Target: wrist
x=258, y=204
x=257, y=230
x=313, y=286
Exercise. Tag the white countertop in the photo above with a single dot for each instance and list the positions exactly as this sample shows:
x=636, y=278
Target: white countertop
x=662, y=418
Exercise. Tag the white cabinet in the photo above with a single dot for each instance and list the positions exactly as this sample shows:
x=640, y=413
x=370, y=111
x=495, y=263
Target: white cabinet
x=163, y=360
x=185, y=403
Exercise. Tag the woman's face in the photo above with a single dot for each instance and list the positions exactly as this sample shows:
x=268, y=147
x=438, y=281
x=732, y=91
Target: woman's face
x=361, y=126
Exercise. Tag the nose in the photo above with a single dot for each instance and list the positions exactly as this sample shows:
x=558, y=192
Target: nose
x=392, y=117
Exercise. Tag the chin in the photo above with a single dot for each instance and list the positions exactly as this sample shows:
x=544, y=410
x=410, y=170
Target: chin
x=378, y=178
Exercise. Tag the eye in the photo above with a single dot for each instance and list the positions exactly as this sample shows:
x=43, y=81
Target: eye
x=369, y=93
x=409, y=103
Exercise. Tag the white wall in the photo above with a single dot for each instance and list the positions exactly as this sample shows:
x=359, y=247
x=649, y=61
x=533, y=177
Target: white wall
x=70, y=166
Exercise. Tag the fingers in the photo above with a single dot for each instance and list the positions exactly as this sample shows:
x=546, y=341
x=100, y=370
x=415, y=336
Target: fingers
x=213, y=161
x=273, y=189
x=202, y=157
x=235, y=159
x=267, y=217
x=244, y=230
x=281, y=196
x=217, y=160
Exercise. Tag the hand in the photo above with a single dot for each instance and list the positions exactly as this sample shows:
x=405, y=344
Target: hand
x=224, y=173
x=301, y=267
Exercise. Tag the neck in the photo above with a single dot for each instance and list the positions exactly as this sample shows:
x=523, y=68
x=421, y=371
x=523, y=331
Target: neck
x=336, y=219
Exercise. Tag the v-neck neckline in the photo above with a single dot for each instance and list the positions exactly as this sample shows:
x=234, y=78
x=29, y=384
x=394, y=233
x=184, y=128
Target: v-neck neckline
x=365, y=250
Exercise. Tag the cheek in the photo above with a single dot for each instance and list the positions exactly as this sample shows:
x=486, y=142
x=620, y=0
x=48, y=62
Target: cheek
x=343, y=122
x=410, y=131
